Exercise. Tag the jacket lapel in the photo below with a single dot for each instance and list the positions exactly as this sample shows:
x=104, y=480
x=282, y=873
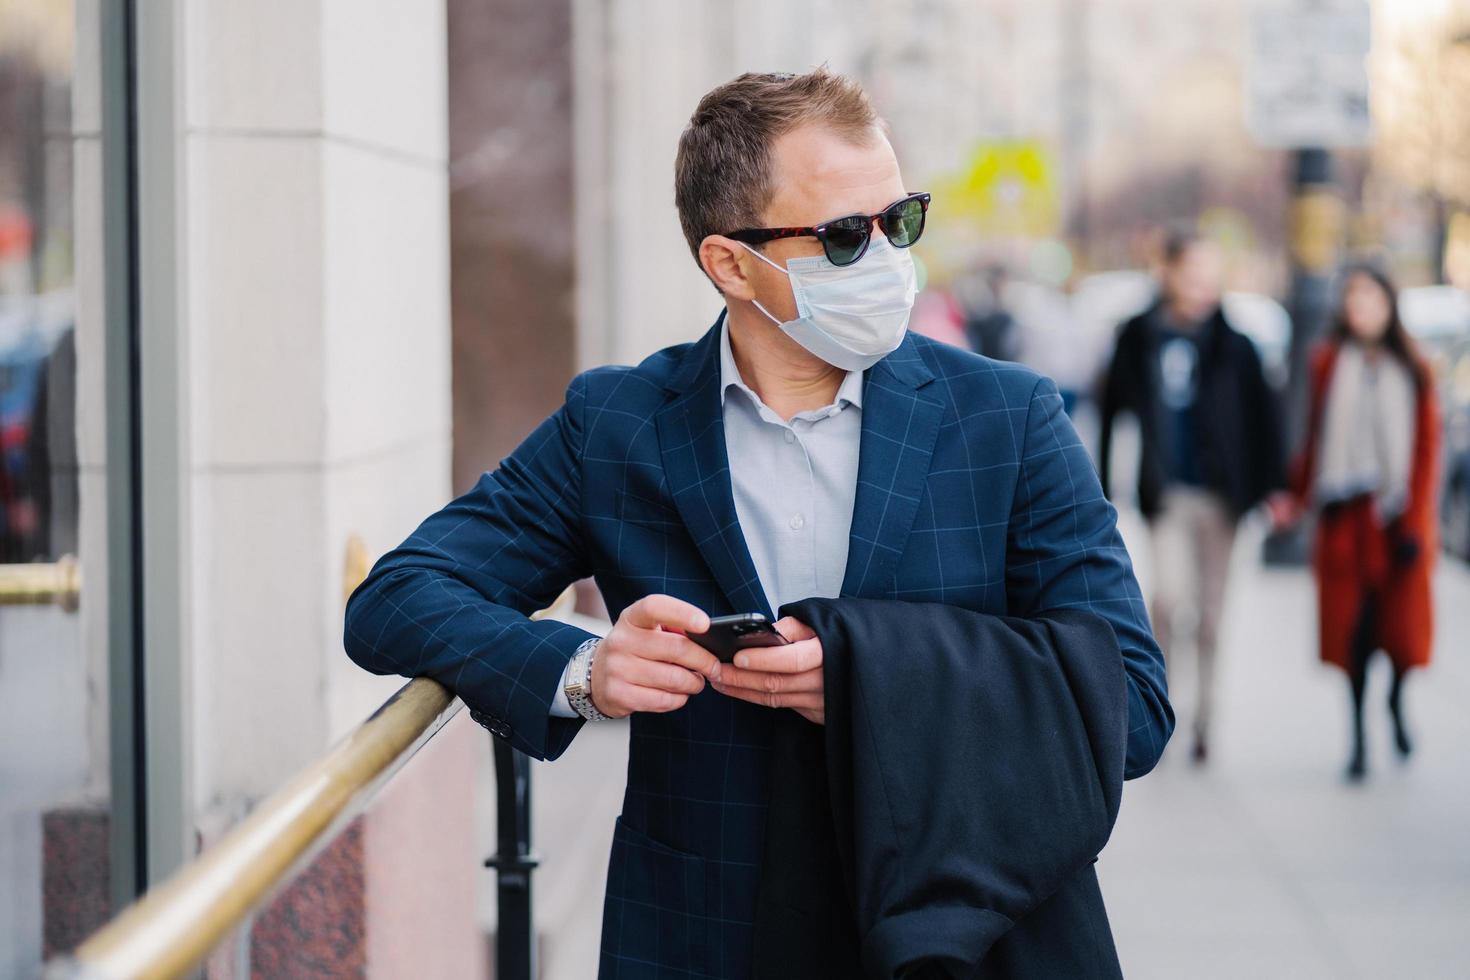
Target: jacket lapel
x=691, y=436
x=900, y=427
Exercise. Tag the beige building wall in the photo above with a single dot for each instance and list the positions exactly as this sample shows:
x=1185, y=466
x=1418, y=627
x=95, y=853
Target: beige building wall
x=640, y=71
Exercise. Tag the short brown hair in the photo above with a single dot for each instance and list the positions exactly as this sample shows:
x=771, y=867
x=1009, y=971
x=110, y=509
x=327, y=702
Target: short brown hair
x=1179, y=239
x=722, y=173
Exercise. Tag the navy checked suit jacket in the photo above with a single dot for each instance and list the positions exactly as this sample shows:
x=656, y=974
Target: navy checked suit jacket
x=973, y=490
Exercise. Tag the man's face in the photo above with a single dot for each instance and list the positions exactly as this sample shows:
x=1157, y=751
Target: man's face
x=818, y=175
x=1192, y=283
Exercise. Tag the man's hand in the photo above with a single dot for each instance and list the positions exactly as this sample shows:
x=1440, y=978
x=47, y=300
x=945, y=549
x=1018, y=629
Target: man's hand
x=787, y=676
x=1283, y=509
x=645, y=663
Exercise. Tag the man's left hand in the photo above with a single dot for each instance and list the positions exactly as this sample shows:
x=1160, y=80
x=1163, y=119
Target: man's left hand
x=788, y=676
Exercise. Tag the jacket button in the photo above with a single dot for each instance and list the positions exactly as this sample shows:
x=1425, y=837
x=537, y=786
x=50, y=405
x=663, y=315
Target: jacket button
x=491, y=723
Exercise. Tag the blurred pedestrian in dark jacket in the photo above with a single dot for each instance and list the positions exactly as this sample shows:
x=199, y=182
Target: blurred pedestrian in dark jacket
x=991, y=329
x=1210, y=445
x=1368, y=465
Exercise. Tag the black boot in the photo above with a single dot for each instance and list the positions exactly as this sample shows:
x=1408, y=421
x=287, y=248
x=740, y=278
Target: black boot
x=1357, y=768
x=1358, y=761
x=1401, y=740
x=1362, y=649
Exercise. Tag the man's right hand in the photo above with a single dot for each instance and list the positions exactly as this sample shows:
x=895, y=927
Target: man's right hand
x=646, y=663
x=1284, y=510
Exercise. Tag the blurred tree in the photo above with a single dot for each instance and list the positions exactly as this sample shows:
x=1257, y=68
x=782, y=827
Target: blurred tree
x=1423, y=115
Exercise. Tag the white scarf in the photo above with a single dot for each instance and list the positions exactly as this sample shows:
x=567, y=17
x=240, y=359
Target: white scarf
x=1367, y=431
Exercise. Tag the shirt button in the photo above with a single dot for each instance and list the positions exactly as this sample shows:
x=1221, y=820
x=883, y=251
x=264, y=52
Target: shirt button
x=797, y=522
x=790, y=436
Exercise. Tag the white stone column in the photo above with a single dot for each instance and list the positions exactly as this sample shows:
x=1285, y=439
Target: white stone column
x=318, y=327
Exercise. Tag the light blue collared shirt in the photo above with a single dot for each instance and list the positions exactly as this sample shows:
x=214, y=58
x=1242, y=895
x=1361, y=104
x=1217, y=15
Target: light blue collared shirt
x=794, y=485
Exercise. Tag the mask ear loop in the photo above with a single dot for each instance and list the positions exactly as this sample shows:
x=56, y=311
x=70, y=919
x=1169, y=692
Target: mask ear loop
x=773, y=265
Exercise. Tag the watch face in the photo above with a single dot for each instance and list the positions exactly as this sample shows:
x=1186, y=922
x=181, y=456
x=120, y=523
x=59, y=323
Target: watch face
x=580, y=676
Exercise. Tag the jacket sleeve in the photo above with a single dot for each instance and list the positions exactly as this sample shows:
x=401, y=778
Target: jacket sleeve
x=1065, y=552
x=1265, y=425
x=1112, y=404
x=451, y=602
x=1304, y=462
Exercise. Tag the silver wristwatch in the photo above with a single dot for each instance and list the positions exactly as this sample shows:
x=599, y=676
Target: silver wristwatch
x=578, y=688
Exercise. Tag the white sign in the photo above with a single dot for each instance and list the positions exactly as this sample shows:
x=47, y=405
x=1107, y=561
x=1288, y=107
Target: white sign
x=1308, y=73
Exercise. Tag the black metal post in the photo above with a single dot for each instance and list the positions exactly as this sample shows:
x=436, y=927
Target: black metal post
x=1316, y=240
x=1316, y=231
x=515, y=933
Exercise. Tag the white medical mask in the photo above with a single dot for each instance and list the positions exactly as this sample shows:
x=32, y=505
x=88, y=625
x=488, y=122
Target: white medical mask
x=851, y=316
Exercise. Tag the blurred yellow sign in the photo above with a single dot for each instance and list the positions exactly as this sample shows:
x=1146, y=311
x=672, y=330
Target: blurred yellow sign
x=1457, y=251
x=1007, y=188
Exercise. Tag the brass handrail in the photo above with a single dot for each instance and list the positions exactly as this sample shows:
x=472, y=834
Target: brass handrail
x=175, y=925
x=57, y=583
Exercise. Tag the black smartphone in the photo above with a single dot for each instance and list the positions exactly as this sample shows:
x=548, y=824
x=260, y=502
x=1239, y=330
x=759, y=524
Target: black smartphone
x=728, y=634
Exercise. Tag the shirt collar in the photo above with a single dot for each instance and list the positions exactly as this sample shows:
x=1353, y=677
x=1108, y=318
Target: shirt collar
x=850, y=391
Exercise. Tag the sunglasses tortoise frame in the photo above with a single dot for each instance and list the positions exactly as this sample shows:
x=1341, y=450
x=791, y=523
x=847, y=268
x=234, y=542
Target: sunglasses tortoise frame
x=857, y=229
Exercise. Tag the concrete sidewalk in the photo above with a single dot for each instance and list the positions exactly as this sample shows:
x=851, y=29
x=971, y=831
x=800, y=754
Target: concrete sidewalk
x=1266, y=863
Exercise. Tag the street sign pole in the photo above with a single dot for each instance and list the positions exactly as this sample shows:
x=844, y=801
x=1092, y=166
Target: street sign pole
x=1316, y=235
x=1316, y=225
x=1308, y=92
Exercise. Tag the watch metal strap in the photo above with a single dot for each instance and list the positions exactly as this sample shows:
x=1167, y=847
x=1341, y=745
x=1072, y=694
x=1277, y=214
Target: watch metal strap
x=579, y=681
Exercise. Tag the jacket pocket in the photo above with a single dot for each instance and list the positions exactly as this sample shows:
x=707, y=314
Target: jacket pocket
x=655, y=907
x=632, y=509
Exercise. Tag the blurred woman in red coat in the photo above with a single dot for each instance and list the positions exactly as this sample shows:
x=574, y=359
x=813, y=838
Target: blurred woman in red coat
x=1369, y=466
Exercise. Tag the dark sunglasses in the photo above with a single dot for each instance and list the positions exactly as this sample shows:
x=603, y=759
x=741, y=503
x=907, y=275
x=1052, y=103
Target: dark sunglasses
x=845, y=240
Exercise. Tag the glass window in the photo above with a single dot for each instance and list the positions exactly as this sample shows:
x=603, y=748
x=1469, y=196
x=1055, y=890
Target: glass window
x=54, y=805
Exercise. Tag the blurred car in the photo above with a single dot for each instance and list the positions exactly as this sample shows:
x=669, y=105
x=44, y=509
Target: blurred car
x=1268, y=325
x=30, y=329
x=1454, y=386
x=1106, y=300
x=1055, y=340
x=1100, y=304
x=1438, y=318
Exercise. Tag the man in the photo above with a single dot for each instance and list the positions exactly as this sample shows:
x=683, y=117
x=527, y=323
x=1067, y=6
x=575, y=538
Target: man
x=991, y=329
x=1211, y=449
x=807, y=445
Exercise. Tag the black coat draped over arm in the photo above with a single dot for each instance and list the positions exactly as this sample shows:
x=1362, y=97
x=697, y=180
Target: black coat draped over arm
x=945, y=820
